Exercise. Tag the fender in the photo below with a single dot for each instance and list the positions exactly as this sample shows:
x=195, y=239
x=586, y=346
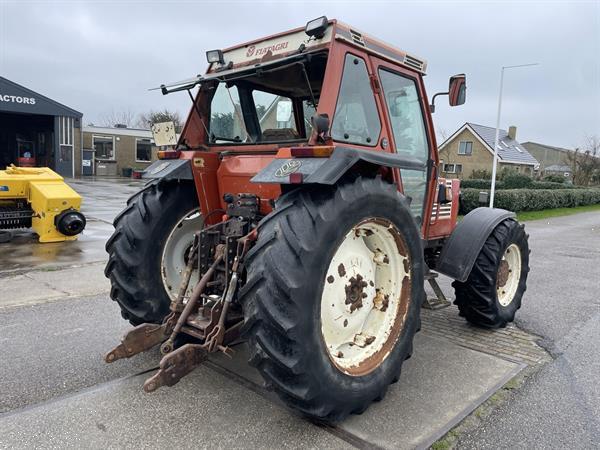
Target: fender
x=330, y=170
x=466, y=241
x=169, y=169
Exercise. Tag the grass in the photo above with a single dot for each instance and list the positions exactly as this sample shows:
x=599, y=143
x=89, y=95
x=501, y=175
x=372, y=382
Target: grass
x=557, y=212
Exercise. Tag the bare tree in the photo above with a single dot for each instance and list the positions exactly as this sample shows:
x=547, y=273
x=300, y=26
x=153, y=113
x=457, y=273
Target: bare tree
x=124, y=117
x=442, y=135
x=585, y=162
x=145, y=120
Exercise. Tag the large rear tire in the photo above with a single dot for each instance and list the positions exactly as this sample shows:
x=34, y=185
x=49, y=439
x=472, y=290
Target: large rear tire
x=148, y=249
x=333, y=295
x=493, y=292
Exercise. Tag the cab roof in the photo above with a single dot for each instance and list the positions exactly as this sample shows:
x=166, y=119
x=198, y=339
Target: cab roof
x=289, y=42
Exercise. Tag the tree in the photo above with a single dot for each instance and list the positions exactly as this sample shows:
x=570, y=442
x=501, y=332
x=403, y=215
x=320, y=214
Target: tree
x=585, y=162
x=113, y=118
x=146, y=120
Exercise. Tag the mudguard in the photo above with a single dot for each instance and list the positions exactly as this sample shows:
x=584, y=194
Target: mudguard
x=330, y=170
x=169, y=169
x=466, y=241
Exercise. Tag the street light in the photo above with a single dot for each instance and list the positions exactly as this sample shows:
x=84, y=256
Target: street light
x=493, y=188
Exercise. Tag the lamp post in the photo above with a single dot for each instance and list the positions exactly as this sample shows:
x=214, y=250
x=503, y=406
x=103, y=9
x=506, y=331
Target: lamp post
x=493, y=187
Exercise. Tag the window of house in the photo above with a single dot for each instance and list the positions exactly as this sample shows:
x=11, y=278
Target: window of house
x=465, y=148
x=143, y=150
x=356, y=119
x=453, y=168
x=104, y=146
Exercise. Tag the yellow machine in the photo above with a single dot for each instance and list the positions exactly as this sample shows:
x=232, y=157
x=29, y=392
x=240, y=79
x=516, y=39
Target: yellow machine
x=38, y=197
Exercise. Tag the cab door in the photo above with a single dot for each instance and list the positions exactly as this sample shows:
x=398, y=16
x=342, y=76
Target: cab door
x=403, y=101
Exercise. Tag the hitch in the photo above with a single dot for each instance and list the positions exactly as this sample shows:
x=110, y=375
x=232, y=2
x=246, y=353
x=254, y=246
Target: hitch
x=207, y=320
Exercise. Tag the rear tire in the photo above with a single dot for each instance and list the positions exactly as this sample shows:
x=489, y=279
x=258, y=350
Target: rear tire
x=136, y=249
x=493, y=292
x=285, y=298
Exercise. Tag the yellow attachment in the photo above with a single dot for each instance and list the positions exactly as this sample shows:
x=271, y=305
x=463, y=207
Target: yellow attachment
x=46, y=192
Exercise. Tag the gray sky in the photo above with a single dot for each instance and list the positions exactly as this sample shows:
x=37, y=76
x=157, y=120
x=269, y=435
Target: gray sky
x=99, y=56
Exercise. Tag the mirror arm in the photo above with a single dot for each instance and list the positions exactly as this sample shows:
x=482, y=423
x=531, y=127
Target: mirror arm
x=432, y=106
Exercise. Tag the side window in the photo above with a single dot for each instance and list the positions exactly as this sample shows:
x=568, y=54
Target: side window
x=356, y=119
x=406, y=117
x=226, y=122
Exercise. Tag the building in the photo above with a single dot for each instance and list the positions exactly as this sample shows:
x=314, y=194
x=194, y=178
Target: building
x=471, y=147
x=553, y=160
x=107, y=151
x=38, y=131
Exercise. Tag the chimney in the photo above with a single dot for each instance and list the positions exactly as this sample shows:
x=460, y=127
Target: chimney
x=512, y=132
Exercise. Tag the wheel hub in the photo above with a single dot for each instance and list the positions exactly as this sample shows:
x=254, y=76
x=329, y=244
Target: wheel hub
x=509, y=275
x=365, y=296
x=175, y=253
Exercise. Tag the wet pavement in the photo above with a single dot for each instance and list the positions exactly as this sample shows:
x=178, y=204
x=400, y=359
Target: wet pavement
x=103, y=199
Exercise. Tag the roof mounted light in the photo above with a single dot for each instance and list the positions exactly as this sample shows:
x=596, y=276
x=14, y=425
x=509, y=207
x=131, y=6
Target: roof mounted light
x=316, y=28
x=215, y=56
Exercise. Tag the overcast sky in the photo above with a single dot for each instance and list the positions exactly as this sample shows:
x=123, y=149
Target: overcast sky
x=102, y=56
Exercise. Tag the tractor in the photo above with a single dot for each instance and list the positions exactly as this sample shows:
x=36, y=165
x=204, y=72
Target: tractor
x=300, y=210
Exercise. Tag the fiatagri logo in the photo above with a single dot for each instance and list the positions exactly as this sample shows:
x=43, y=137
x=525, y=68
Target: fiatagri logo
x=253, y=51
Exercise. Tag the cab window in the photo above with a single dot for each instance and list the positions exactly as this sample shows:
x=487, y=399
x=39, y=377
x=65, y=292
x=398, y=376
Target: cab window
x=275, y=117
x=405, y=115
x=356, y=119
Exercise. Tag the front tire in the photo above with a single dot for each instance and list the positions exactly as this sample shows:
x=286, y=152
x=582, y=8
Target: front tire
x=304, y=289
x=148, y=247
x=493, y=292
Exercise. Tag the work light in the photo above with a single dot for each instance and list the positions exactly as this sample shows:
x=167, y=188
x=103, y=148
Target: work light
x=215, y=56
x=316, y=28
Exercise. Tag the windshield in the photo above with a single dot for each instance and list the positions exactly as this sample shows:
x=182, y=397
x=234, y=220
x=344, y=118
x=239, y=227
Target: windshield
x=274, y=105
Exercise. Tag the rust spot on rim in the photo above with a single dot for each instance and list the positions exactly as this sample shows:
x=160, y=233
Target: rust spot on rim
x=503, y=272
x=341, y=270
x=330, y=279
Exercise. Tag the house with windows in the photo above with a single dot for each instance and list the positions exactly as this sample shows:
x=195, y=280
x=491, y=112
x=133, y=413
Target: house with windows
x=471, y=148
x=109, y=150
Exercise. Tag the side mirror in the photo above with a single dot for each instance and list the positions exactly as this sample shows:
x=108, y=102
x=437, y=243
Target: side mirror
x=457, y=90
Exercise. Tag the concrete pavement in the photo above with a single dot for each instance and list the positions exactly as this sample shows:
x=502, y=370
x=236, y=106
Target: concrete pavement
x=69, y=396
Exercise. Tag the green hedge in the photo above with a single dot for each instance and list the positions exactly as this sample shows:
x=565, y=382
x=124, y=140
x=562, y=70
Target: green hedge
x=485, y=184
x=531, y=199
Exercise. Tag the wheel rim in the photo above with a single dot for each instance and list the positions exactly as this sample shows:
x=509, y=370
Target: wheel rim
x=509, y=274
x=174, y=256
x=365, y=296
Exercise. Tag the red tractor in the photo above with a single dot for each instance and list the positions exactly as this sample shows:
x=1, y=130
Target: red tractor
x=300, y=210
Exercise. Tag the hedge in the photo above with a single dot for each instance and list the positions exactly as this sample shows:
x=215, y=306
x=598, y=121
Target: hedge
x=485, y=184
x=531, y=199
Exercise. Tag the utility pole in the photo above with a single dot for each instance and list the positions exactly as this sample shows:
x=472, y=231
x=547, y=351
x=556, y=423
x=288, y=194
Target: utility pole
x=493, y=187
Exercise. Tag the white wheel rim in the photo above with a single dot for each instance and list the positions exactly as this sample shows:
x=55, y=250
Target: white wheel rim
x=365, y=296
x=174, y=256
x=509, y=274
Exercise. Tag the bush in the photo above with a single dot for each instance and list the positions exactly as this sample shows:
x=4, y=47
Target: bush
x=532, y=199
x=481, y=174
x=486, y=184
x=555, y=178
x=480, y=184
x=517, y=181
